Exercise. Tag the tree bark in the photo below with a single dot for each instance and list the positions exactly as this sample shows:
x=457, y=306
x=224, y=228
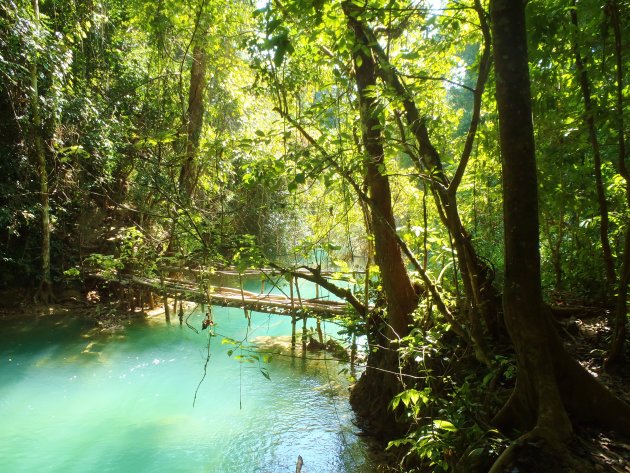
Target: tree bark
x=615, y=354
x=550, y=385
x=194, y=123
x=188, y=173
x=476, y=275
x=401, y=297
x=616, y=351
x=589, y=120
x=44, y=294
x=376, y=387
x=536, y=389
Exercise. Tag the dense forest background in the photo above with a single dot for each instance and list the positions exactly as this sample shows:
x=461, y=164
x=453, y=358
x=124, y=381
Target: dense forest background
x=348, y=135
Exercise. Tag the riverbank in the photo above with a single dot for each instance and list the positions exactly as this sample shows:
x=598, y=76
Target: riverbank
x=18, y=302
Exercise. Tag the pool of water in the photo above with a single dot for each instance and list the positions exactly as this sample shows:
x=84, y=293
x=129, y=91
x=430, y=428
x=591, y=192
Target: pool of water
x=73, y=399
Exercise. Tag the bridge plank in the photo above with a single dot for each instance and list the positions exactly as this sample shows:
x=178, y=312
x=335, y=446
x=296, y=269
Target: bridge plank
x=234, y=297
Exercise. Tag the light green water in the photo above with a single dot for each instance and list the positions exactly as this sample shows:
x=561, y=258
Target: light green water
x=73, y=400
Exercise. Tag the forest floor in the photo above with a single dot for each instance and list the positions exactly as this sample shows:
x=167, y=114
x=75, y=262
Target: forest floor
x=586, y=334
x=585, y=331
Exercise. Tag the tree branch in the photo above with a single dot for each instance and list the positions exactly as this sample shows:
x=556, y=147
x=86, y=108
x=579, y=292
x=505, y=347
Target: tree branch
x=314, y=275
x=484, y=70
x=457, y=328
x=443, y=79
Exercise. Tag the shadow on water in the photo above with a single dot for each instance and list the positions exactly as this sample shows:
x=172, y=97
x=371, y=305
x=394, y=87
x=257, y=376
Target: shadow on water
x=32, y=342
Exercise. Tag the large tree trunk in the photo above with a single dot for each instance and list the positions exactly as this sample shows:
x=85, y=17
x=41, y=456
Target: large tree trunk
x=589, y=120
x=615, y=354
x=376, y=388
x=194, y=123
x=477, y=277
x=44, y=294
x=551, y=387
x=401, y=297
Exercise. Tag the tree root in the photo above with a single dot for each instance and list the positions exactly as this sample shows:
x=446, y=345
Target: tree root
x=44, y=294
x=535, y=437
x=507, y=456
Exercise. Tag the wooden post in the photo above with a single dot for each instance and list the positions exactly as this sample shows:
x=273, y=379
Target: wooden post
x=247, y=316
x=353, y=353
x=298, y=465
x=316, y=291
x=291, y=294
x=320, y=335
x=167, y=313
x=297, y=289
x=180, y=314
x=262, y=285
x=304, y=337
x=293, y=319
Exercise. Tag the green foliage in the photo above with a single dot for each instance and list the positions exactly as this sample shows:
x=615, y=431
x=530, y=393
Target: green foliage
x=446, y=406
x=281, y=155
x=107, y=265
x=247, y=354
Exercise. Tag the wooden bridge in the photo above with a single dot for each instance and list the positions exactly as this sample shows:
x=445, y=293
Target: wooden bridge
x=187, y=290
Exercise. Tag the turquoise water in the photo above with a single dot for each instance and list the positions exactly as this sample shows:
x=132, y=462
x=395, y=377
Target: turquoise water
x=73, y=399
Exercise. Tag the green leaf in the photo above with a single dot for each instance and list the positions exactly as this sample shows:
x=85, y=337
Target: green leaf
x=411, y=55
x=395, y=402
x=399, y=443
x=476, y=452
x=272, y=25
x=444, y=425
x=414, y=396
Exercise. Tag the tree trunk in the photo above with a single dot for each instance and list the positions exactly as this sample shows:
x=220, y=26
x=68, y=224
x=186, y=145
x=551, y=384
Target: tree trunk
x=550, y=385
x=44, y=294
x=477, y=277
x=401, y=297
x=589, y=120
x=374, y=391
x=194, y=123
x=615, y=354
